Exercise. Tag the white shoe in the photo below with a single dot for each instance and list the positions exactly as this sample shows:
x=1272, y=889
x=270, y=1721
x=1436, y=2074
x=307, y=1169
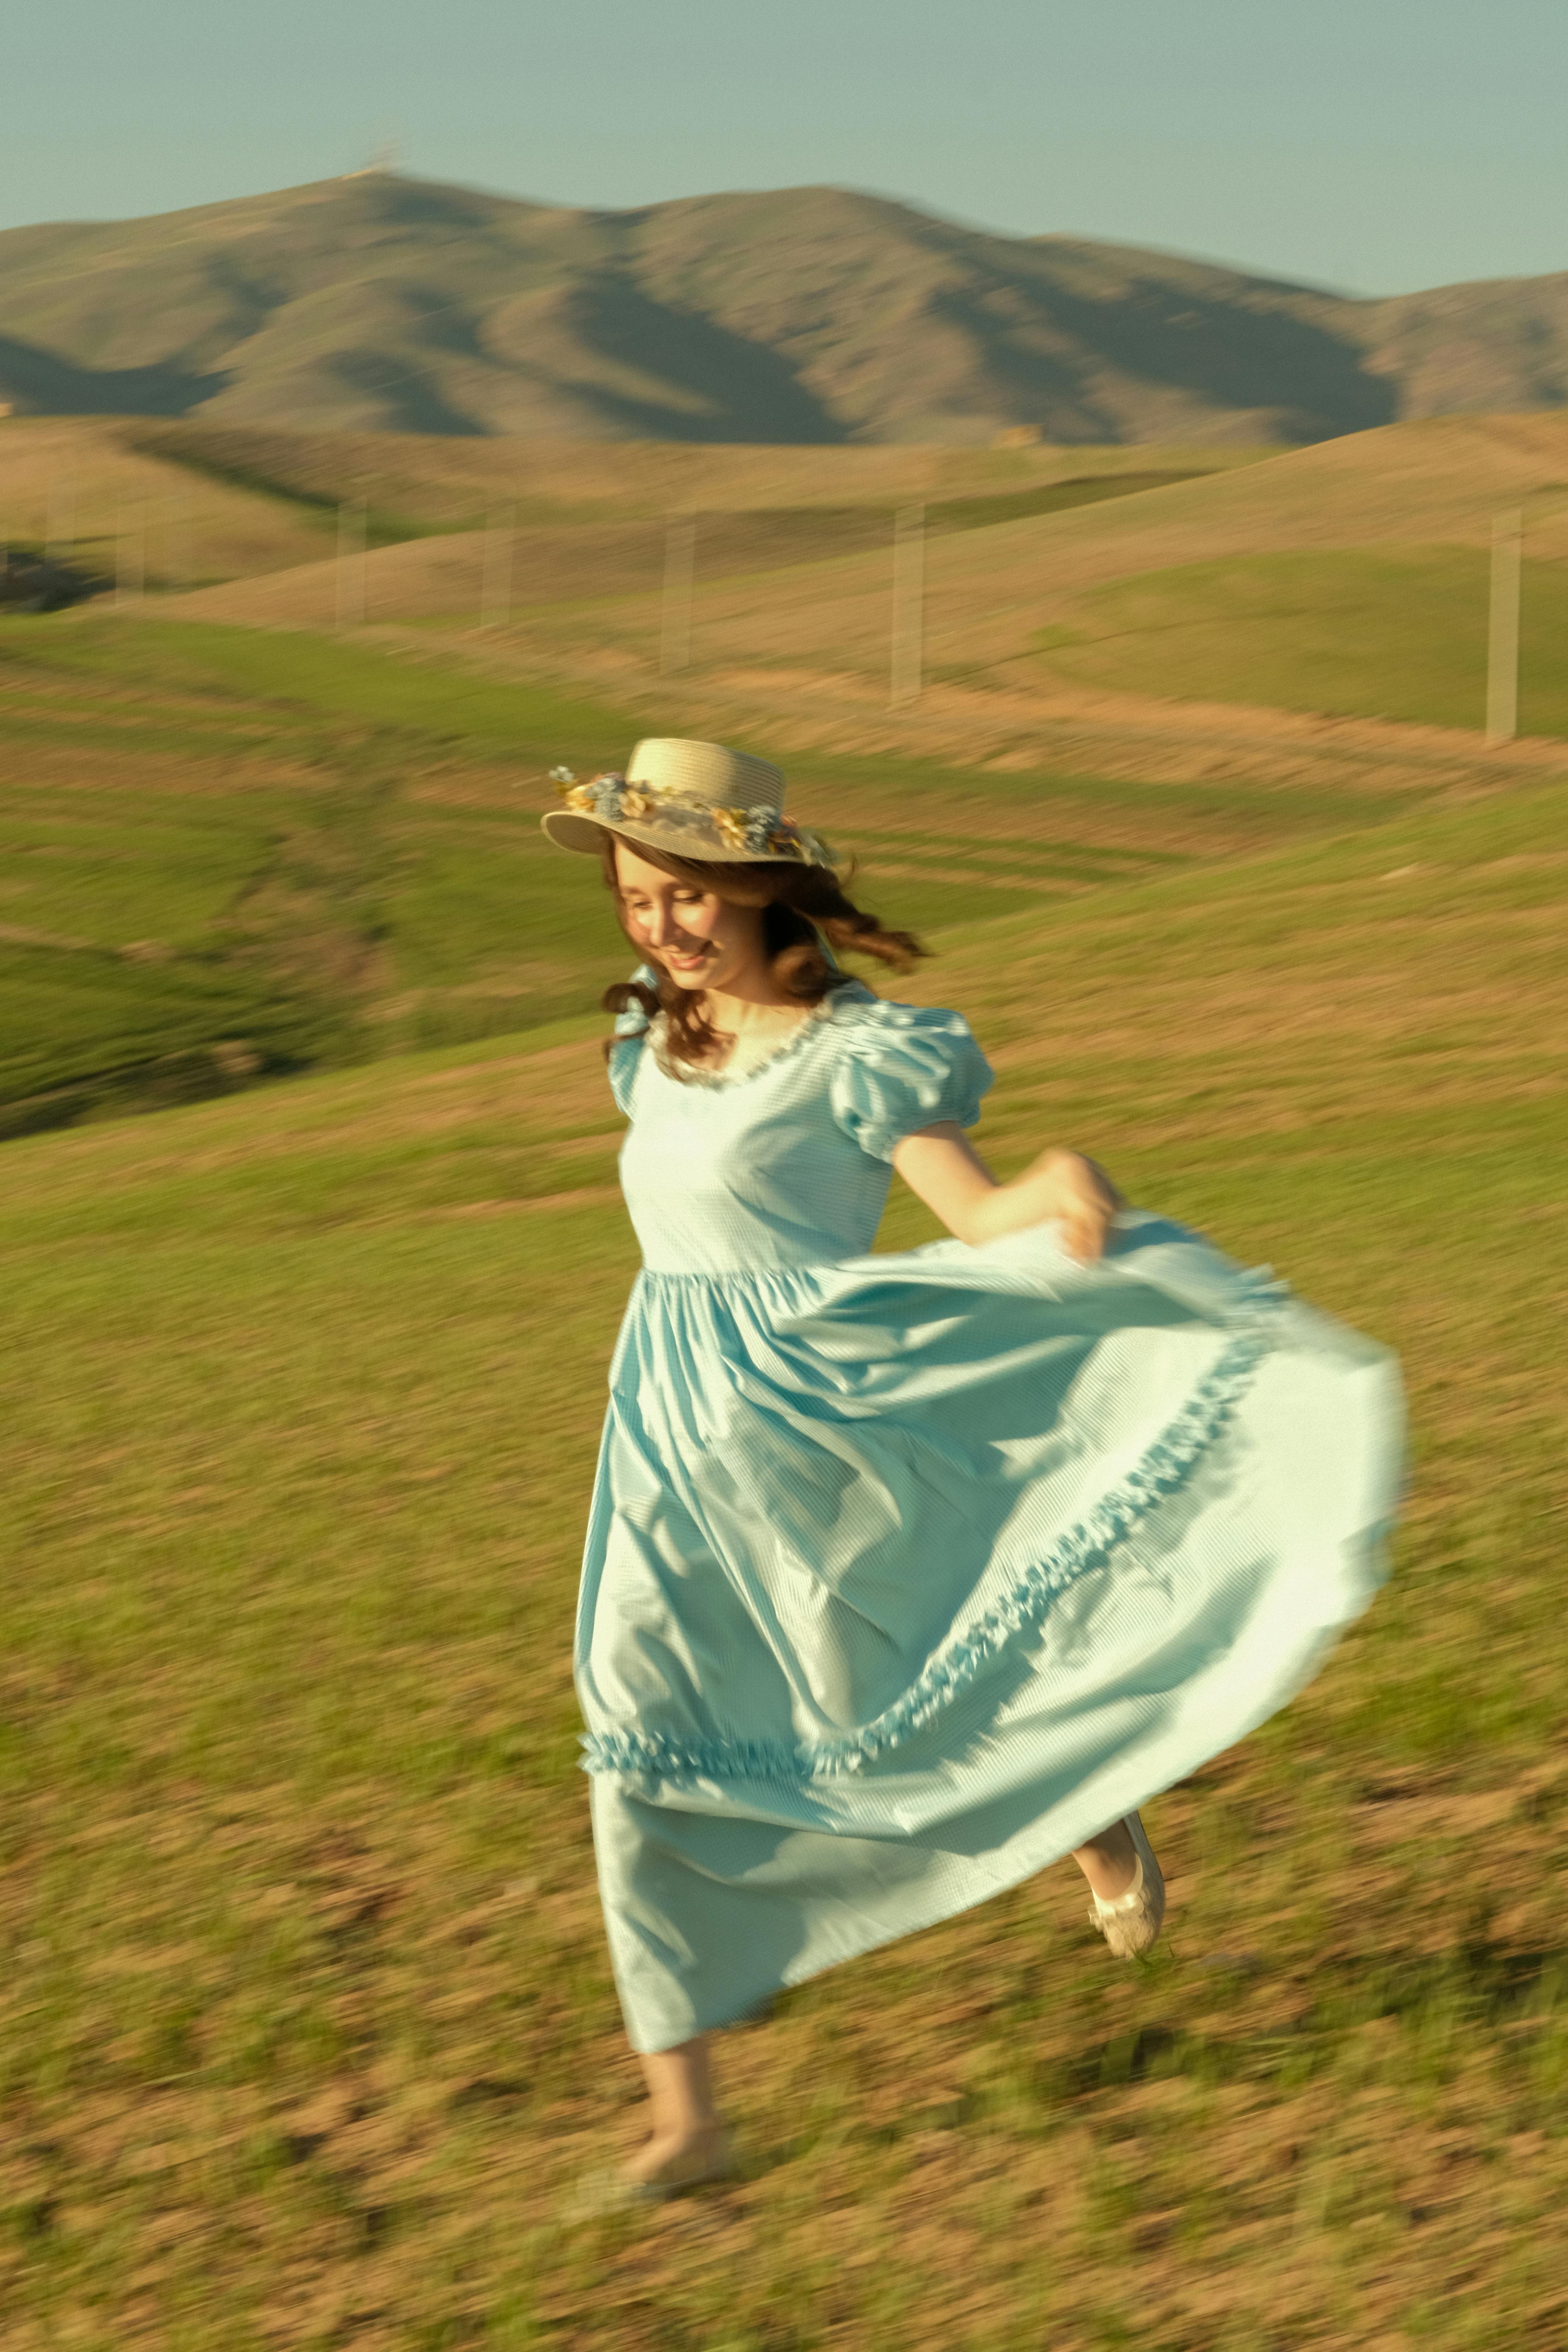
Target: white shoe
x=1131, y=1924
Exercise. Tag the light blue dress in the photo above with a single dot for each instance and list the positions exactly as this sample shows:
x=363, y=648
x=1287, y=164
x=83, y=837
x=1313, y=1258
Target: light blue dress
x=906, y=1574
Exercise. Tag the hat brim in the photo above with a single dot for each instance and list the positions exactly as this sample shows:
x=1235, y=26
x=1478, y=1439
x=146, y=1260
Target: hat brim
x=568, y=829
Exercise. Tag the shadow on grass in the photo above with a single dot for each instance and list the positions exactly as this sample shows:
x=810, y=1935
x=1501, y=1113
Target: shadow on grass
x=1442, y=2003
x=1474, y=1987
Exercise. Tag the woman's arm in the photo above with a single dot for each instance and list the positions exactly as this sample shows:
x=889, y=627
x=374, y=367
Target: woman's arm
x=951, y=1177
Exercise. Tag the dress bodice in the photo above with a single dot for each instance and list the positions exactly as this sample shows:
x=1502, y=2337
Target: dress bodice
x=787, y=1163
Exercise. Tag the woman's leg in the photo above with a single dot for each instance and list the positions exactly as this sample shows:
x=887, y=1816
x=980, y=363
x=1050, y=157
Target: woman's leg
x=1129, y=1887
x=1108, y=1861
x=687, y=2136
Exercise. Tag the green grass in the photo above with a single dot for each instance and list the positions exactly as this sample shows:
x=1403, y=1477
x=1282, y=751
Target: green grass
x=301, y=686
x=87, y=1031
x=1047, y=498
x=1395, y=633
x=333, y=853
x=102, y=866
x=307, y=2023
x=304, y=866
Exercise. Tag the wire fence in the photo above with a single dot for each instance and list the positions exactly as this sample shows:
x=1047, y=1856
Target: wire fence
x=494, y=570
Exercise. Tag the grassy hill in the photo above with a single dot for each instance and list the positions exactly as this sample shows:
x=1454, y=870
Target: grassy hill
x=225, y=856
x=1396, y=633
x=103, y=500
x=226, y=853
x=234, y=852
x=169, y=506
x=307, y=2031
x=806, y=316
x=1349, y=577
x=563, y=554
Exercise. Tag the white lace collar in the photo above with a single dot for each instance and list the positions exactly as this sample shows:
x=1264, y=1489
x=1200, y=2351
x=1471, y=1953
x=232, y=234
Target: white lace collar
x=692, y=1073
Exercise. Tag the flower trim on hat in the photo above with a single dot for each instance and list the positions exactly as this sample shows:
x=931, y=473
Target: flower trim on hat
x=759, y=832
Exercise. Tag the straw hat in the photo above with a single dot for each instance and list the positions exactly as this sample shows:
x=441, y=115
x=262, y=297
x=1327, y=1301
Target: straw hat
x=691, y=800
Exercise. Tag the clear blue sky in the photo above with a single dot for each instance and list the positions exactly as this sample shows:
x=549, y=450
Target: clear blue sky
x=1375, y=145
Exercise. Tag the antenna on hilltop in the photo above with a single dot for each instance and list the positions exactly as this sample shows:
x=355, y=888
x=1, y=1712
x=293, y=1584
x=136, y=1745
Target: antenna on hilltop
x=386, y=159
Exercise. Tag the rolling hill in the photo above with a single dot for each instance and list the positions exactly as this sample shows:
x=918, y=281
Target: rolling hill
x=229, y=852
x=1348, y=580
x=803, y=316
x=1437, y=482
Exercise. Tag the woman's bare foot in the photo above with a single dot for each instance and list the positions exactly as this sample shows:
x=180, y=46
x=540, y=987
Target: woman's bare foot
x=688, y=2143
x=671, y=2160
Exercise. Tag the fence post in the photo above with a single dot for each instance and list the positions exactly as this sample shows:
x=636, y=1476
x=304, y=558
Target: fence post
x=495, y=594
x=679, y=568
x=908, y=606
x=176, y=543
x=60, y=530
x=350, y=564
x=130, y=554
x=1503, y=633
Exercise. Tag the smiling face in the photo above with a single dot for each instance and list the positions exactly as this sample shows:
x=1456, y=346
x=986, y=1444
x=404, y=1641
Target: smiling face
x=701, y=939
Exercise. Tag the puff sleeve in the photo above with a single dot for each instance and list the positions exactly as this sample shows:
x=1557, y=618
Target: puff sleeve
x=626, y=1047
x=903, y=1067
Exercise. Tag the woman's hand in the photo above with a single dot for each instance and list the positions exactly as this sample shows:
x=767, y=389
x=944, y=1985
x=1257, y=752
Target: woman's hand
x=1062, y=1188
x=1073, y=1193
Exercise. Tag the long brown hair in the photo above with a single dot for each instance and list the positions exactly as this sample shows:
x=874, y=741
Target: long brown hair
x=807, y=922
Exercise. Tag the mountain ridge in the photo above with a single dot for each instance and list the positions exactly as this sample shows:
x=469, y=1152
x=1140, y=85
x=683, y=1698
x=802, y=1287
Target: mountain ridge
x=809, y=315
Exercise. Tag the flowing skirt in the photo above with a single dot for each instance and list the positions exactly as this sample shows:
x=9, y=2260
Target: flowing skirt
x=905, y=1576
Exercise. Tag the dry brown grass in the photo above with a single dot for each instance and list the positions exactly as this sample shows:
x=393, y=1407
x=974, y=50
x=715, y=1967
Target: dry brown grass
x=1016, y=723
x=445, y=577
x=800, y=653
x=576, y=529
x=83, y=481
x=444, y=478
x=989, y=593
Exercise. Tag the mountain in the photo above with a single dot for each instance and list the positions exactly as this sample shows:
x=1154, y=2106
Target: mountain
x=380, y=302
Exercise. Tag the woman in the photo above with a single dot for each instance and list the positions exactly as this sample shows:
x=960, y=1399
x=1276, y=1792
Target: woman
x=906, y=1575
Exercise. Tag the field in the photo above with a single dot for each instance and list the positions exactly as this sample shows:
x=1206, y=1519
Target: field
x=220, y=861
x=102, y=495
x=1004, y=606
x=344, y=860
x=1349, y=579
x=229, y=853
x=310, y=2028
x=177, y=506
x=306, y=2026
x=1385, y=633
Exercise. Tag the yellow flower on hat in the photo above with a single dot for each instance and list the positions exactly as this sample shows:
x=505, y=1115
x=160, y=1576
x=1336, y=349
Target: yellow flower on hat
x=790, y=840
x=713, y=800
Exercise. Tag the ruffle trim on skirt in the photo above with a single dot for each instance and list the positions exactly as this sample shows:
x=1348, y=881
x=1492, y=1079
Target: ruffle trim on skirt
x=1163, y=1468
